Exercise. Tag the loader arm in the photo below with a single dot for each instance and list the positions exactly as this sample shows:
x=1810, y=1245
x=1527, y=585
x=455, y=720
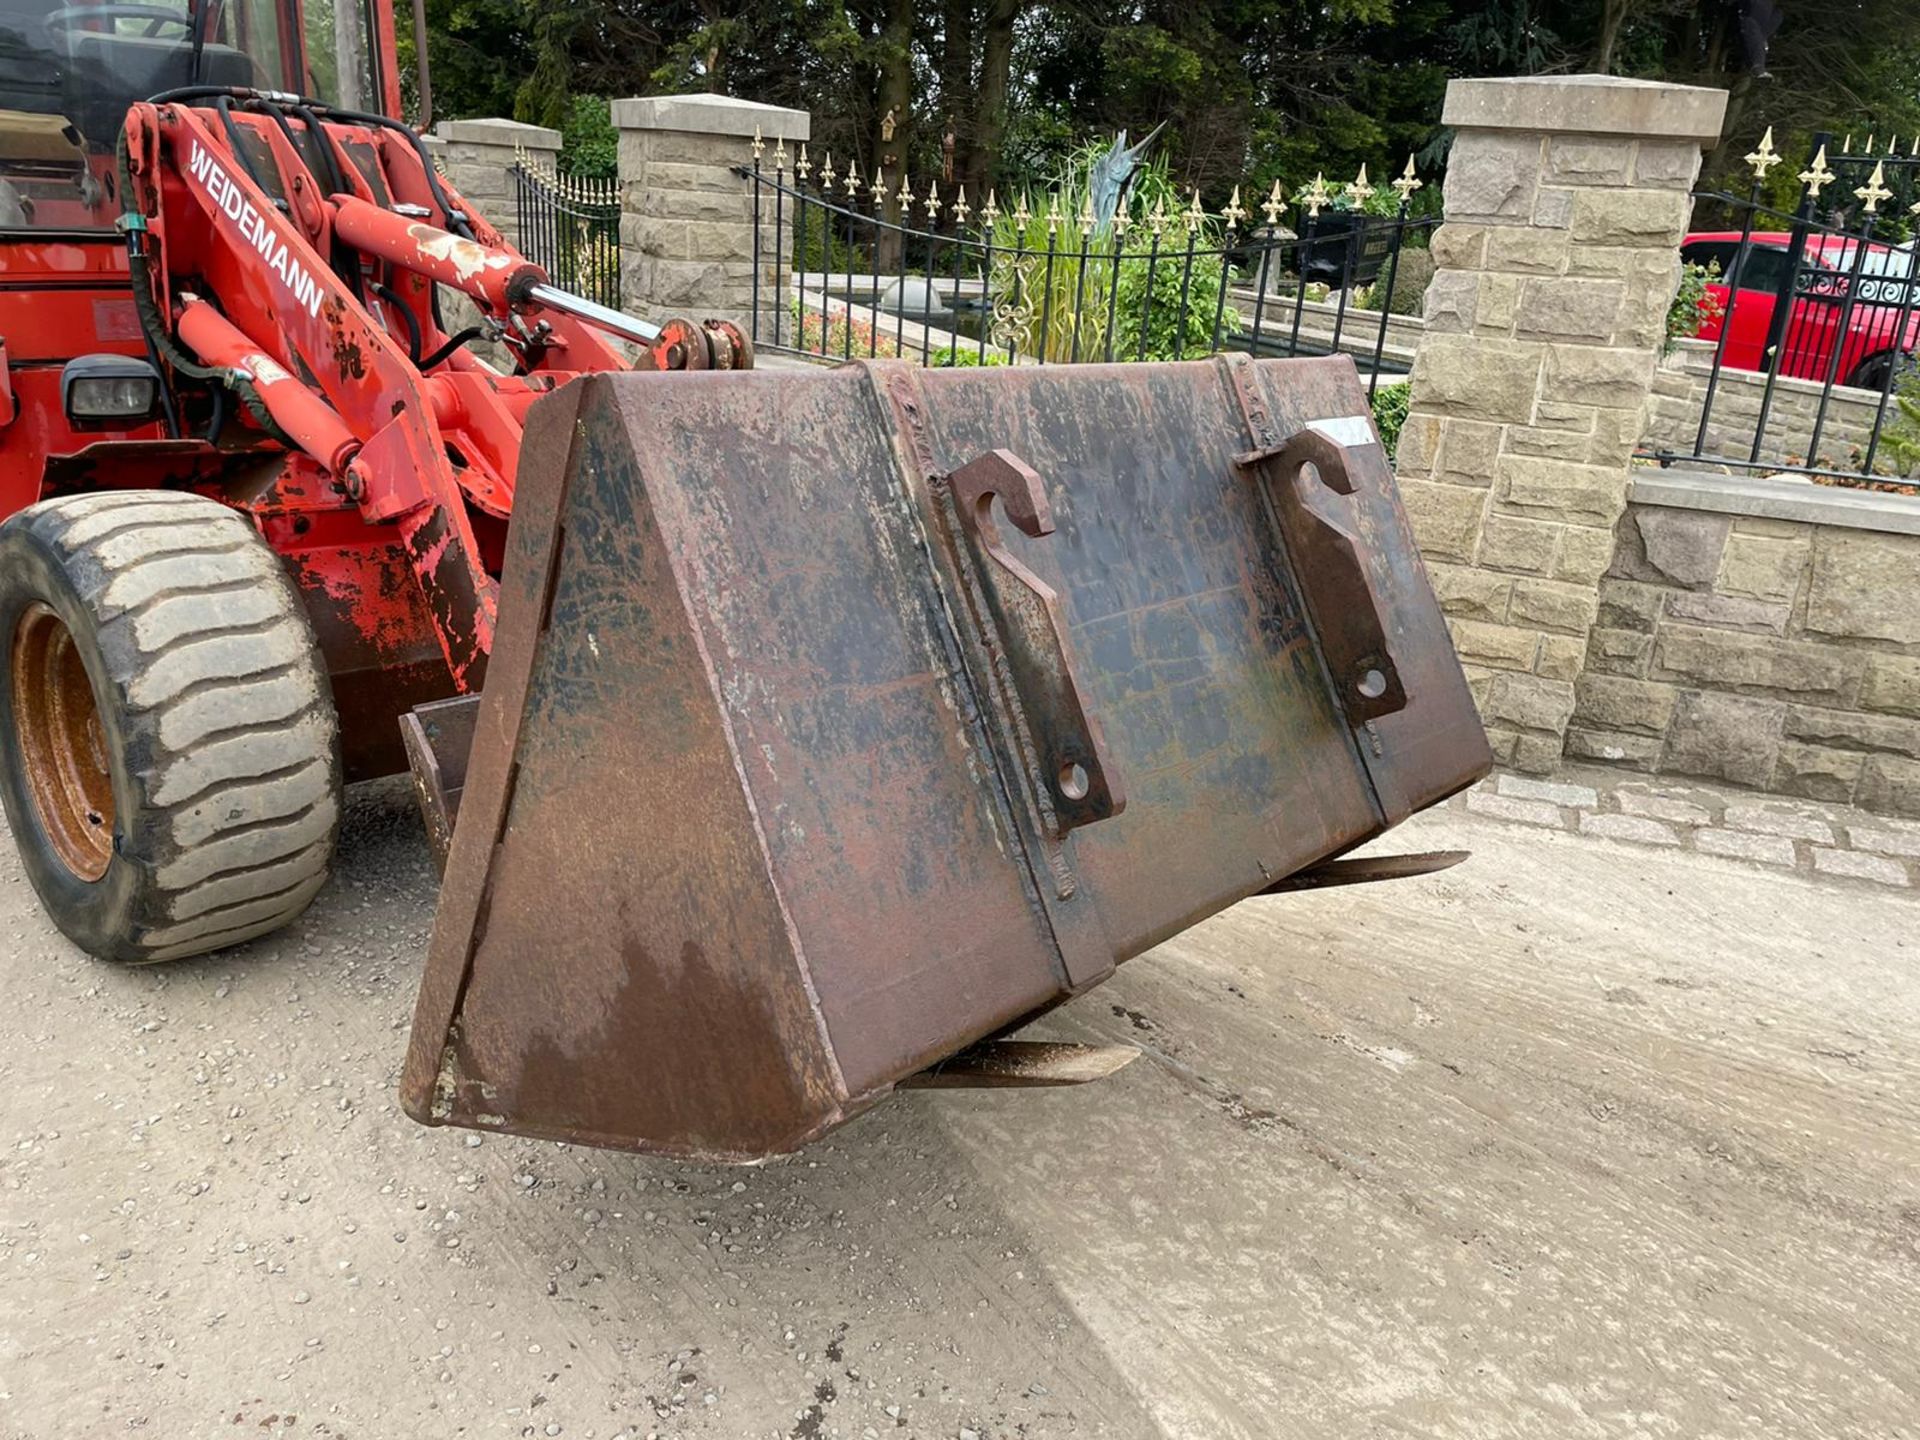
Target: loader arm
x=293, y=252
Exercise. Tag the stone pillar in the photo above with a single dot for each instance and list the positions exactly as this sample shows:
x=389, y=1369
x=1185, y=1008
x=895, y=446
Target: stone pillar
x=477, y=155
x=1566, y=201
x=686, y=223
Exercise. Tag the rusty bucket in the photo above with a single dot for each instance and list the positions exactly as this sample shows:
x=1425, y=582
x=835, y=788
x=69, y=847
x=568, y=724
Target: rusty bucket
x=841, y=718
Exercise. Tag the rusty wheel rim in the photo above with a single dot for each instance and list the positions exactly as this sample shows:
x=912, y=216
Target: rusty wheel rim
x=63, y=749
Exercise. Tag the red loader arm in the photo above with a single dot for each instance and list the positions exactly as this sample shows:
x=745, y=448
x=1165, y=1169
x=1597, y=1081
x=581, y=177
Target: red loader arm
x=290, y=254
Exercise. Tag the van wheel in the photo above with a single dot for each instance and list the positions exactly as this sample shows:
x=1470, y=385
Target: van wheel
x=1871, y=373
x=169, y=754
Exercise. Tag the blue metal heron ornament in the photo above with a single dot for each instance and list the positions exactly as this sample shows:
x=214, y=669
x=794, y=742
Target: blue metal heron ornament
x=1114, y=171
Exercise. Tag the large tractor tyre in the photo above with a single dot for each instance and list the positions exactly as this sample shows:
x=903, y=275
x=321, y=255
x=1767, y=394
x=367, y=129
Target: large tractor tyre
x=169, y=753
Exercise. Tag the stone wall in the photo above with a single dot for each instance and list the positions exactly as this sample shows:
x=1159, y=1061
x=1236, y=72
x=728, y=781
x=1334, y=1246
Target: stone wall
x=1680, y=389
x=687, y=219
x=1763, y=632
x=1565, y=204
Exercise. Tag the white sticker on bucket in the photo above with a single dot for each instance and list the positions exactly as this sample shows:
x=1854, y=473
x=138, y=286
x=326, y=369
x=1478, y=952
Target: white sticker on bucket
x=1345, y=429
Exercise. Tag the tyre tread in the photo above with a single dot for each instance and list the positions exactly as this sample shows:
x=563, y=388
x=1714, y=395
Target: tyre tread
x=230, y=731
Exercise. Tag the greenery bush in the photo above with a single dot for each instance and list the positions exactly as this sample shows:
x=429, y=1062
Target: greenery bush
x=1176, y=317
x=589, y=145
x=1390, y=413
x=1410, y=281
x=838, y=335
x=1900, y=439
x=966, y=357
x=1694, y=307
x=1056, y=299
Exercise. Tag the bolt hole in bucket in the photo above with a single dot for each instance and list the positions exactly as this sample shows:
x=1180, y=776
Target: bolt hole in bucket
x=1073, y=781
x=62, y=745
x=1371, y=684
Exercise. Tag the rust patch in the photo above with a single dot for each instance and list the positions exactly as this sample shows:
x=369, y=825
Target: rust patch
x=347, y=358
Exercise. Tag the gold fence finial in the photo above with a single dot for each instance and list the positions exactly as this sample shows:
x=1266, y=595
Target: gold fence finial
x=759, y=145
x=853, y=178
x=1273, y=205
x=1087, y=221
x=933, y=201
x=1875, y=190
x=1053, y=213
x=1194, y=216
x=1408, y=182
x=779, y=154
x=990, y=212
x=960, y=207
x=803, y=167
x=1316, y=197
x=879, y=185
x=1022, y=213
x=1358, y=190
x=905, y=197
x=1763, y=158
x=1869, y=149
x=1816, y=177
x=827, y=177
x=1157, y=220
x=1122, y=219
x=1235, y=211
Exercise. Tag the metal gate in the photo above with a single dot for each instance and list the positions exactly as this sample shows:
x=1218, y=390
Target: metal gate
x=845, y=267
x=1813, y=317
x=569, y=225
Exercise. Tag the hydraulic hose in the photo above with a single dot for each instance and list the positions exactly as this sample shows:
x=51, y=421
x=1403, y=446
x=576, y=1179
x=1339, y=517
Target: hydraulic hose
x=158, y=333
x=407, y=318
x=472, y=332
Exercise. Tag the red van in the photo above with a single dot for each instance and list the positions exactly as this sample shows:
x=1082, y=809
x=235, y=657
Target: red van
x=1827, y=264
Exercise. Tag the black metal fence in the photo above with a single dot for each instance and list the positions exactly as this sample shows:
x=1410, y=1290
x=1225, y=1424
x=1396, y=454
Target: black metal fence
x=570, y=227
x=846, y=268
x=1813, y=314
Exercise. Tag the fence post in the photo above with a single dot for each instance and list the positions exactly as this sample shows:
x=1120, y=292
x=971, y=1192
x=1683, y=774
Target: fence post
x=686, y=222
x=1566, y=202
x=478, y=156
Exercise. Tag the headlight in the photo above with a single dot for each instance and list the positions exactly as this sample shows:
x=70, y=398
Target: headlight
x=101, y=397
x=108, y=392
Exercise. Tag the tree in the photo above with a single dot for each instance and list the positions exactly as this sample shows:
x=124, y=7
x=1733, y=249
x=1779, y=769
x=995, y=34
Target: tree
x=998, y=93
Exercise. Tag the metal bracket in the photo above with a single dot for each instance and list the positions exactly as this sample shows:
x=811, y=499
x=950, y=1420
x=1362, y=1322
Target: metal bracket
x=1022, y=1065
x=1330, y=568
x=439, y=739
x=1366, y=870
x=1029, y=636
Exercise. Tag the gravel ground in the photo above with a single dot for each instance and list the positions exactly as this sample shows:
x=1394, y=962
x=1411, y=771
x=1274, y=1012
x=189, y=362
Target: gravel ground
x=1575, y=1140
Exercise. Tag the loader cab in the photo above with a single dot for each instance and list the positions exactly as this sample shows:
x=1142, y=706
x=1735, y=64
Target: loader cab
x=69, y=72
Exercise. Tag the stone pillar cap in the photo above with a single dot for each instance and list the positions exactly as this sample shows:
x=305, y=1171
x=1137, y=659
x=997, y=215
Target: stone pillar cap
x=499, y=132
x=712, y=115
x=1588, y=105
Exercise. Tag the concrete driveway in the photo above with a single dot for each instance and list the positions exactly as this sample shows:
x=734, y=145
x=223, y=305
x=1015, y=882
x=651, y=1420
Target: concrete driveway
x=1575, y=1140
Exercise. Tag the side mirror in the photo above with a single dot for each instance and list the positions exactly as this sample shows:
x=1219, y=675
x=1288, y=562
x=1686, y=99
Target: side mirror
x=108, y=392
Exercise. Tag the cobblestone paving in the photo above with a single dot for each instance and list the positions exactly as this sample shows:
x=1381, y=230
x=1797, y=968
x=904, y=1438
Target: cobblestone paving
x=1767, y=830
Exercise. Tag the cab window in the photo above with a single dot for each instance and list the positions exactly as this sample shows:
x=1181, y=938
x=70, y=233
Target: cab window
x=68, y=72
x=342, y=52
